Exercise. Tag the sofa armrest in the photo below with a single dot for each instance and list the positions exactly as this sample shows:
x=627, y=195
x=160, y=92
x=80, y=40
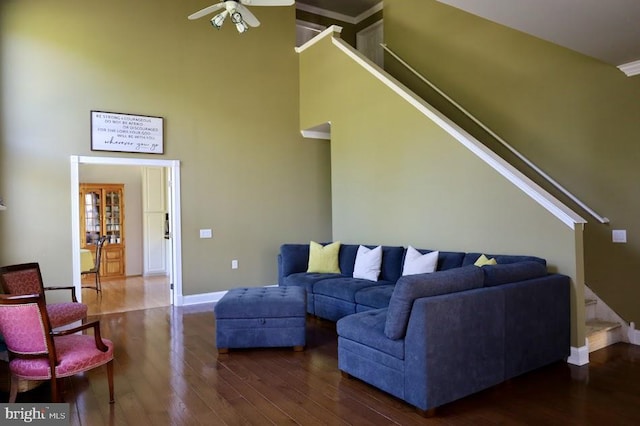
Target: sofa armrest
x=454, y=346
x=293, y=258
x=538, y=330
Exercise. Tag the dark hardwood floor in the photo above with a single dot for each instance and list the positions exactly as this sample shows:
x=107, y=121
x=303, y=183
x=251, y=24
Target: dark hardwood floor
x=167, y=372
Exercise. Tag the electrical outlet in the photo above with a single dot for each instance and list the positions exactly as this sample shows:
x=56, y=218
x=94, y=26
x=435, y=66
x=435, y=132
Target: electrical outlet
x=206, y=233
x=234, y=264
x=619, y=235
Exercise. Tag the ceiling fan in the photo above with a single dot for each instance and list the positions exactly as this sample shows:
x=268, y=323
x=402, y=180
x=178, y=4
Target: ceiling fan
x=240, y=15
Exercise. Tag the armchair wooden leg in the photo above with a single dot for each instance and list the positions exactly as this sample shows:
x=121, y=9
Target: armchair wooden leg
x=110, y=380
x=55, y=393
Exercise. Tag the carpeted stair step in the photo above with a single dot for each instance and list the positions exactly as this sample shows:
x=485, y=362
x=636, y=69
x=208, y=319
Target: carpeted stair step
x=601, y=334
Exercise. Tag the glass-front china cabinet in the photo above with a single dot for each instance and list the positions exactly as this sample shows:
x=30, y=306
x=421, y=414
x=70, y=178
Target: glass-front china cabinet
x=102, y=214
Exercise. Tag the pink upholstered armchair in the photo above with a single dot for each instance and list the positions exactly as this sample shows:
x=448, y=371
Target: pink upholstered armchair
x=37, y=353
x=27, y=279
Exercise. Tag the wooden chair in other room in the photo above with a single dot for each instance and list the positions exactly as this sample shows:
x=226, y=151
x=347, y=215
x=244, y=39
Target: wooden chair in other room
x=96, y=267
x=38, y=353
x=27, y=279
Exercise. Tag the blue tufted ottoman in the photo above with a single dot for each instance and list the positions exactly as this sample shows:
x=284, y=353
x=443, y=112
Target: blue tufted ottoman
x=261, y=317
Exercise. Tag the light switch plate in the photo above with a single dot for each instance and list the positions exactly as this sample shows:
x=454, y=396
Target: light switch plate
x=206, y=233
x=619, y=235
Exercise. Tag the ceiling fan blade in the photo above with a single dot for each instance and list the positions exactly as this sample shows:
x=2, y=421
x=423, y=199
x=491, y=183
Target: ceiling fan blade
x=248, y=17
x=207, y=10
x=267, y=2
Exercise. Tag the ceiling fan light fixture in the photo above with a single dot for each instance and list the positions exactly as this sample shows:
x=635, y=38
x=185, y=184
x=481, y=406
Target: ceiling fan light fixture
x=241, y=25
x=240, y=14
x=218, y=20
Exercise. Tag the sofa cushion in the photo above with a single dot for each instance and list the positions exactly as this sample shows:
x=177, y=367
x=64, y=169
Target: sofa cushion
x=307, y=280
x=391, y=268
x=377, y=296
x=367, y=328
x=368, y=262
x=347, y=258
x=412, y=287
x=418, y=263
x=324, y=259
x=343, y=288
x=512, y=272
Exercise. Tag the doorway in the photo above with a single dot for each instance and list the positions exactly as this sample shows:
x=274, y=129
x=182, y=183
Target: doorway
x=174, y=207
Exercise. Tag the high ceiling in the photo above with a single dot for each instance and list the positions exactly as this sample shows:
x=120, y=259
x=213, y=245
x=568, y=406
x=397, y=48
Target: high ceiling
x=608, y=30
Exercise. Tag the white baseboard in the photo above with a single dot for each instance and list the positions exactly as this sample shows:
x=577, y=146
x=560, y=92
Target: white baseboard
x=196, y=299
x=633, y=334
x=579, y=356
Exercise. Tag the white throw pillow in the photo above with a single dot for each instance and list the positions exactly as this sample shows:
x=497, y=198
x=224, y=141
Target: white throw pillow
x=368, y=263
x=418, y=263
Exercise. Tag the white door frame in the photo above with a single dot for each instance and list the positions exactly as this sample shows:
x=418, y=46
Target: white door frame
x=173, y=167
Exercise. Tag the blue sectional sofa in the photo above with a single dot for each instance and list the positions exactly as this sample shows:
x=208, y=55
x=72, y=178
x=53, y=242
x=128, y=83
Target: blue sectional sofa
x=432, y=338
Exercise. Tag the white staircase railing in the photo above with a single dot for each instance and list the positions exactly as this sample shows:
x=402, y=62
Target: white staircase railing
x=548, y=178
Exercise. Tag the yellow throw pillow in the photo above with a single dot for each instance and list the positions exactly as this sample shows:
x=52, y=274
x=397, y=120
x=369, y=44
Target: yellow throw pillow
x=484, y=260
x=324, y=259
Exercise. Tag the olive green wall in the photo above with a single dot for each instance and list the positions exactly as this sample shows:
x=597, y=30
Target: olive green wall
x=399, y=179
x=230, y=104
x=575, y=117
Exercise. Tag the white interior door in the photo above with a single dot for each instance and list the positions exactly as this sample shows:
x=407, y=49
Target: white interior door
x=368, y=42
x=154, y=210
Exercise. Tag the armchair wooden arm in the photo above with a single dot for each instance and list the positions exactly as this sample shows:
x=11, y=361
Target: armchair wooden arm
x=73, y=291
x=96, y=333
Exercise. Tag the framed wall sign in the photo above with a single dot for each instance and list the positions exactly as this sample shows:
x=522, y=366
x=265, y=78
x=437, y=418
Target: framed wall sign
x=111, y=131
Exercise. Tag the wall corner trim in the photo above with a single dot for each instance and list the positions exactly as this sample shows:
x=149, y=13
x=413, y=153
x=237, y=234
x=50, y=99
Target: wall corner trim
x=579, y=356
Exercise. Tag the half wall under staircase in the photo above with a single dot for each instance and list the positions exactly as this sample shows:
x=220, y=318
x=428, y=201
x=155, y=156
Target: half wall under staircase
x=403, y=173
